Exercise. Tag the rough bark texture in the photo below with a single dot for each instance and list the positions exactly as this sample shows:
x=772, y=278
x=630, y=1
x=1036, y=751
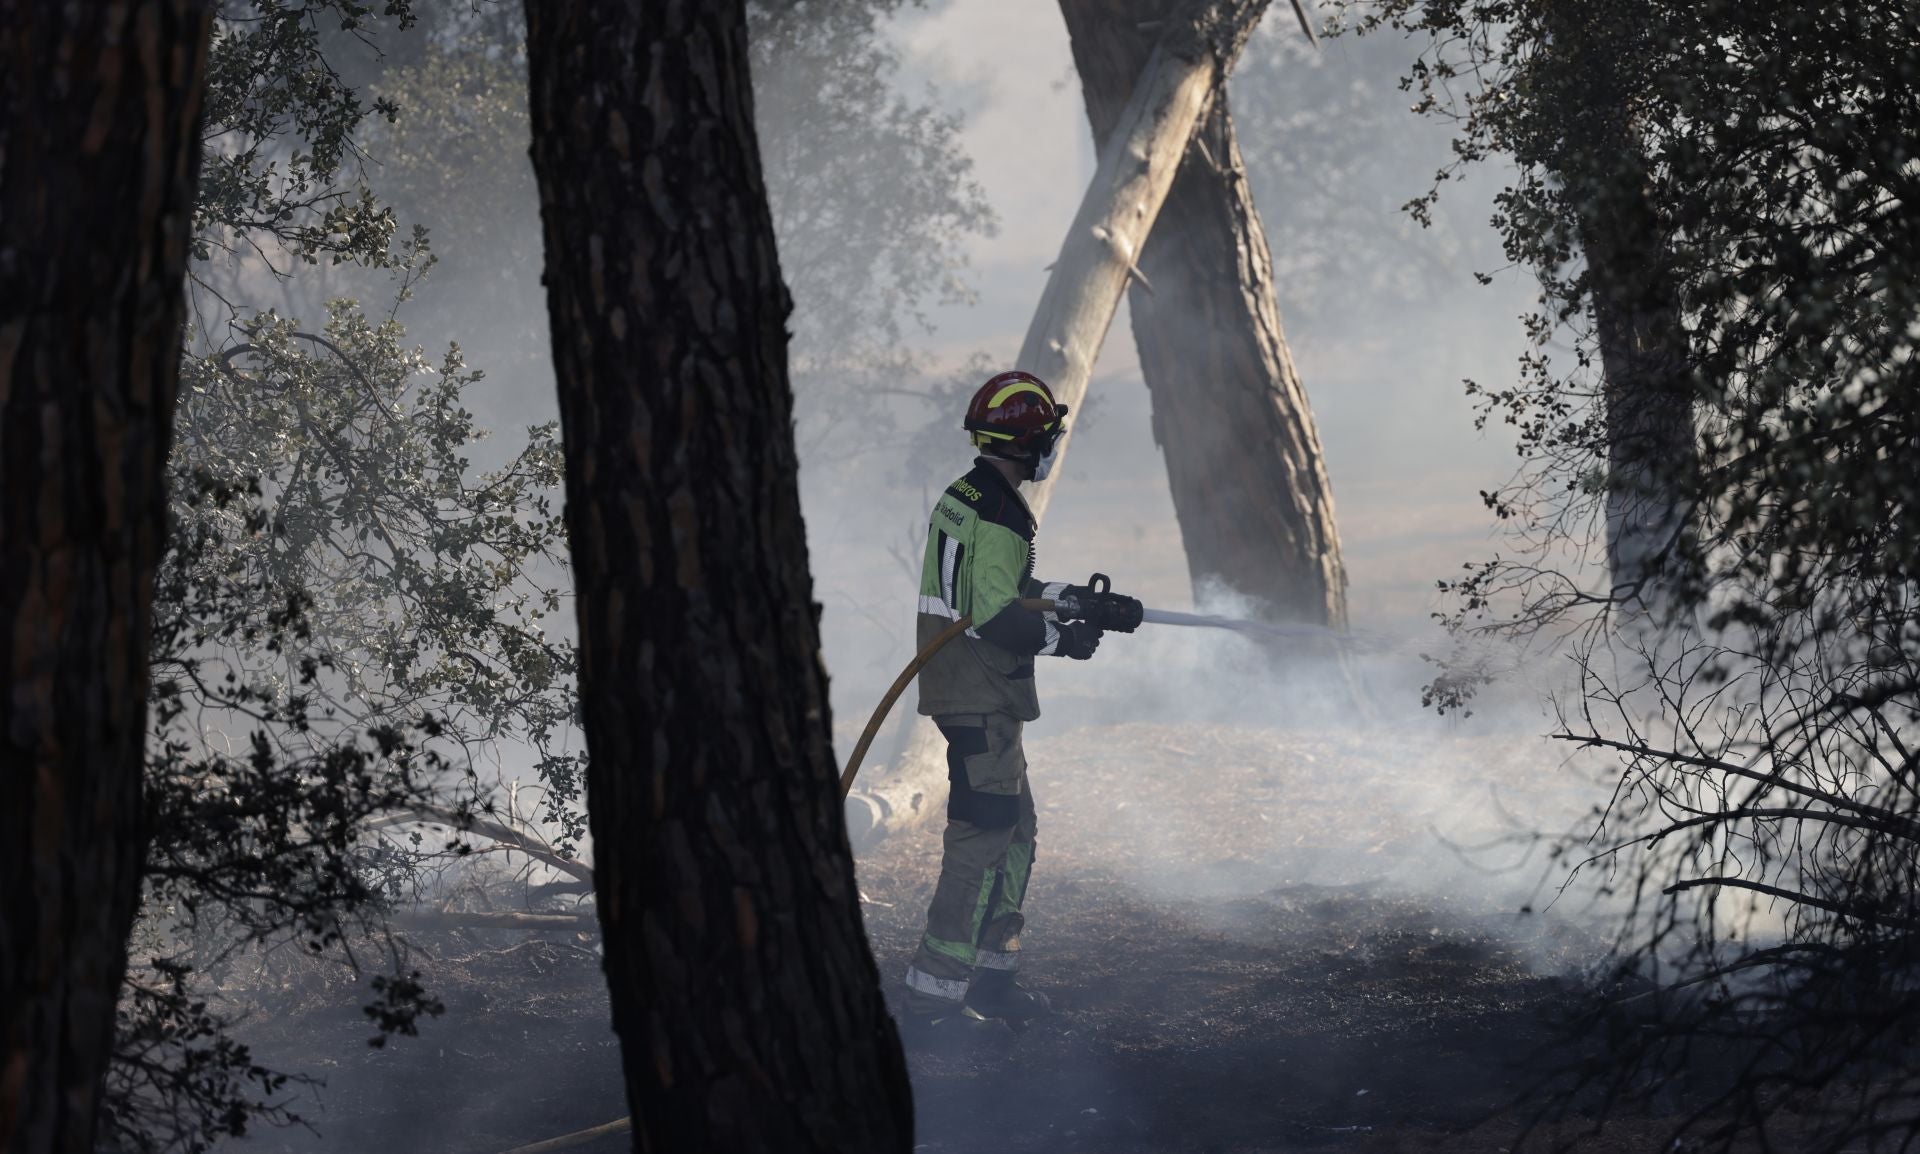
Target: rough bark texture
x=746, y=999
x=1140, y=154
x=1244, y=463
x=99, y=154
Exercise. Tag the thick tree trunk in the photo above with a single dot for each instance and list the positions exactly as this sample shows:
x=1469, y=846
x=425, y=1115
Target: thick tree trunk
x=1167, y=98
x=1248, y=479
x=1653, y=457
x=746, y=1000
x=99, y=154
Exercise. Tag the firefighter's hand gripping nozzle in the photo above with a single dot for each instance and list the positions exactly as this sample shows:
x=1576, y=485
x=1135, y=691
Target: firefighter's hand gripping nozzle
x=1099, y=606
x=1094, y=603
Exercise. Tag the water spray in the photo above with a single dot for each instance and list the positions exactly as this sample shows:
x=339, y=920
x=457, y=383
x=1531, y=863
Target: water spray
x=1260, y=629
x=1097, y=605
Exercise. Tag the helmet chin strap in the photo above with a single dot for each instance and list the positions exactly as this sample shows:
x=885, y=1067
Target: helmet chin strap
x=1026, y=465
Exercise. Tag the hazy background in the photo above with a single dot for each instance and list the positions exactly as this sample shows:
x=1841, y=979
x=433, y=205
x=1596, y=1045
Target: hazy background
x=1384, y=319
x=1382, y=359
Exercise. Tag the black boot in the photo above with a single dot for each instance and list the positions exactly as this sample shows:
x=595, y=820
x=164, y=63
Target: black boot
x=995, y=994
x=948, y=1030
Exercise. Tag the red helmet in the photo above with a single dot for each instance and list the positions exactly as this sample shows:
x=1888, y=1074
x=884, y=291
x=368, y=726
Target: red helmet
x=1014, y=414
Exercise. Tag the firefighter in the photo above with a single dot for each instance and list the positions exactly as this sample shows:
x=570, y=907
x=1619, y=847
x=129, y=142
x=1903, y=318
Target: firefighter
x=980, y=691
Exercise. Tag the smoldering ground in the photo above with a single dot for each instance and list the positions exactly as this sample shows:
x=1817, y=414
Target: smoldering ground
x=1212, y=998
x=1275, y=903
x=1257, y=907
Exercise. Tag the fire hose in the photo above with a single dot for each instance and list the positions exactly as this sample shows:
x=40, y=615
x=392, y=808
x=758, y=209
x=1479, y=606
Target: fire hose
x=1099, y=605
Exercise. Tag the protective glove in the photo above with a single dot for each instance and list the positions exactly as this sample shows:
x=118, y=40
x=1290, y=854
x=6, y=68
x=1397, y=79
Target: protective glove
x=1078, y=639
x=1101, y=607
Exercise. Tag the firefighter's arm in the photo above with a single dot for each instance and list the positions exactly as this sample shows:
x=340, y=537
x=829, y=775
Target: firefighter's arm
x=999, y=560
x=997, y=568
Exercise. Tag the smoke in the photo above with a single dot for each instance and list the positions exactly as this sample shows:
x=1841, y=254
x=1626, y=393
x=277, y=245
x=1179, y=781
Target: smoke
x=1210, y=767
x=1330, y=770
x=1383, y=334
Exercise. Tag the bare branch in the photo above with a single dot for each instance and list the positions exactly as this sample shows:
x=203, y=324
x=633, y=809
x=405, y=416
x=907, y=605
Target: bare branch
x=1832, y=907
x=499, y=831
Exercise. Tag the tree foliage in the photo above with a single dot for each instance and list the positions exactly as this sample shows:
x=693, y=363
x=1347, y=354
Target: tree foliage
x=1766, y=821
x=349, y=624
x=347, y=617
x=1332, y=157
x=417, y=573
x=354, y=623
x=283, y=174
x=872, y=195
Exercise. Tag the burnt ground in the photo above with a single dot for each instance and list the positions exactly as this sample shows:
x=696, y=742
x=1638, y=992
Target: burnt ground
x=1272, y=950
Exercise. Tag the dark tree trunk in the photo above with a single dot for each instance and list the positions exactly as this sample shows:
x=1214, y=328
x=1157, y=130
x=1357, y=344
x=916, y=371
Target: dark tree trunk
x=1248, y=476
x=1653, y=458
x=99, y=154
x=1243, y=457
x=746, y=999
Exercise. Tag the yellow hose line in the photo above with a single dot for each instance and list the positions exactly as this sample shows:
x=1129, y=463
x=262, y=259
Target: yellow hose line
x=900, y=683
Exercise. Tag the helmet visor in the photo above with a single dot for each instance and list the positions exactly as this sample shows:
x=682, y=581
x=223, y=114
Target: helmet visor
x=1047, y=440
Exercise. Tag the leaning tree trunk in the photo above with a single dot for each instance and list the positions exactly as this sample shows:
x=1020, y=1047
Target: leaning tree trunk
x=747, y=1003
x=99, y=156
x=1180, y=73
x=1248, y=478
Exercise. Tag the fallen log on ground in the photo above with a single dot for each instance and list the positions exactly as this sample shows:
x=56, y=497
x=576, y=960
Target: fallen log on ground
x=587, y=922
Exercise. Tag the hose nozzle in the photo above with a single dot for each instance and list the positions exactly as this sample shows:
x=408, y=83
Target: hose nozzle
x=1098, y=605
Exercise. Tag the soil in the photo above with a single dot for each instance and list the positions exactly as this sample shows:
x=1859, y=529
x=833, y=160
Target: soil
x=1254, y=940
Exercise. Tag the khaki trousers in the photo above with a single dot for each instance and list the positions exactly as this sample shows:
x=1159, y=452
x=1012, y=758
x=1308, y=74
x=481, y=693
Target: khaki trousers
x=974, y=920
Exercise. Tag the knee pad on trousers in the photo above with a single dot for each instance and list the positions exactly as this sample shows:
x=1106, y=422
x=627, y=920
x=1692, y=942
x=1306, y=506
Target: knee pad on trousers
x=965, y=803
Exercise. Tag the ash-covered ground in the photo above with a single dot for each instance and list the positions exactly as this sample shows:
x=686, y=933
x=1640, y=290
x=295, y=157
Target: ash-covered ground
x=1249, y=948
x=1256, y=939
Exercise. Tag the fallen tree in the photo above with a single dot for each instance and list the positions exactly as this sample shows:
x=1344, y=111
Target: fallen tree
x=586, y=922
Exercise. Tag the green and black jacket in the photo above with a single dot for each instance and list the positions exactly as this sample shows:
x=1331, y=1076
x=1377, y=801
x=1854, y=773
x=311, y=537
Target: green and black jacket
x=978, y=563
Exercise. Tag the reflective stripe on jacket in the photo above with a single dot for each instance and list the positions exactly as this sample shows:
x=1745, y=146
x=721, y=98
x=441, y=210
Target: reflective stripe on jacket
x=978, y=563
